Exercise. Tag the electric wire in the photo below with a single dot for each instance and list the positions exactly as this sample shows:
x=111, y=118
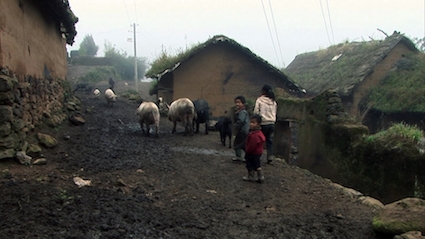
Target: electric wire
x=128, y=15
x=276, y=33
x=135, y=10
x=270, y=32
x=330, y=22
x=324, y=20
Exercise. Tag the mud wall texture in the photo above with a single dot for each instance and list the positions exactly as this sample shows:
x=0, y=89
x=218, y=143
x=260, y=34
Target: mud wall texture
x=33, y=69
x=218, y=74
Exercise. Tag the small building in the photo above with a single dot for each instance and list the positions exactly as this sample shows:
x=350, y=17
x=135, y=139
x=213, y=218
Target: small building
x=219, y=70
x=352, y=70
x=33, y=66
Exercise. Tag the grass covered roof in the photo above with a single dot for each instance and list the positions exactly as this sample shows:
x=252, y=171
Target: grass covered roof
x=402, y=90
x=165, y=63
x=341, y=67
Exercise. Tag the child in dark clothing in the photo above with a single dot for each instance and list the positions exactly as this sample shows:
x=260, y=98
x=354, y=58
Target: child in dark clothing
x=241, y=127
x=254, y=149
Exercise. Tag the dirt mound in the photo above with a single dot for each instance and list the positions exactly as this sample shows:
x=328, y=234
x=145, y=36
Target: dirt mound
x=167, y=187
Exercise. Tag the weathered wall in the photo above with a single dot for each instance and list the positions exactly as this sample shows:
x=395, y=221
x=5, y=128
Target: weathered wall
x=31, y=45
x=32, y=80
x=332, y=145
x=380, y=70
x=324, y=132
x=218, y=74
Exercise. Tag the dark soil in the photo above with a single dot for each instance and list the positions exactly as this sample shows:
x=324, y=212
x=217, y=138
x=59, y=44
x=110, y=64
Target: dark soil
x=173, y=186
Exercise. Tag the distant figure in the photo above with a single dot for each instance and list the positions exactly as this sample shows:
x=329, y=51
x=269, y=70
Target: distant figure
x=111, y=83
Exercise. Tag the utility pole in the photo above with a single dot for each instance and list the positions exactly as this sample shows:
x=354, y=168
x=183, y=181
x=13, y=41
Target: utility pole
x=135, y=58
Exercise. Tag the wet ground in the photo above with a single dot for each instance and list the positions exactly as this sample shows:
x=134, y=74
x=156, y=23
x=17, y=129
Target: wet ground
x=173, y=186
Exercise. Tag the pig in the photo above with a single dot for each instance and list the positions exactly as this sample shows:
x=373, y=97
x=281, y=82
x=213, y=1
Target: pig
x=182, y=110
x=110, y=97
x=148, y=114
x=224, y=126
x=96, y=93
x=85, y=87
x=202, y=114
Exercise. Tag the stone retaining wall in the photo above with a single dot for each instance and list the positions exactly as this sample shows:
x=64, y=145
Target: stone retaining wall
x=24, y=103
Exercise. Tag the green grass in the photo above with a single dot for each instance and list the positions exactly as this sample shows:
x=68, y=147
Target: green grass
x=402, y=89
x=397, y=132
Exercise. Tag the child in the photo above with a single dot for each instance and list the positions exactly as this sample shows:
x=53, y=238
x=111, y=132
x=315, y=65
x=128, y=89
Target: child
x=241, y=127
x=254, y=149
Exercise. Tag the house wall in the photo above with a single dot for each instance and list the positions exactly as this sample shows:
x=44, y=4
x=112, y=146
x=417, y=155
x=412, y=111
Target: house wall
x=373, y=79
x=32, y=80
x=218, y=74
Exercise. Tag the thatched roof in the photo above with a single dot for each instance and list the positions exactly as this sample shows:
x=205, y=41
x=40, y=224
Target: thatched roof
x=220, y=39
x=342, y=66
x=60, y=12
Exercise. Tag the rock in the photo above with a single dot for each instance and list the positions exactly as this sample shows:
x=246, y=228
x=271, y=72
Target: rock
x=6, y=113
x=5, y=129
x=81, y=182
x=34, y=150
x=23, y=158
x=410, y=235
x=371, y=202
x=77, y=119
x=401, y=216
x=40, y=161
x=7, y=153
x=47, y=140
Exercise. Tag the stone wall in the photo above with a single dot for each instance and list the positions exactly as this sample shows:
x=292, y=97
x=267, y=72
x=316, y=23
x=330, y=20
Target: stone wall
x=25, y=103
x=33, y=71
x=332, y=145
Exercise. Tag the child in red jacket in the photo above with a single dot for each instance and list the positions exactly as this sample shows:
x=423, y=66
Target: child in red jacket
x=254, y=149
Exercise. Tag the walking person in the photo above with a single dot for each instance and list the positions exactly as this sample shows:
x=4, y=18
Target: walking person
x=254, y=149
x=266, y=107
x=111, y=83
x=241, y=127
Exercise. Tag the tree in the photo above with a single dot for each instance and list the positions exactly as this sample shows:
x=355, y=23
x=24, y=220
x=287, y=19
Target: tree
x=88, y=47
x=420, y=43
x=123, y=63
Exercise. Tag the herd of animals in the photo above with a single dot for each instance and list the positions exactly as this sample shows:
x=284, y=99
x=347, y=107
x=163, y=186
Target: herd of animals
x=190, y=113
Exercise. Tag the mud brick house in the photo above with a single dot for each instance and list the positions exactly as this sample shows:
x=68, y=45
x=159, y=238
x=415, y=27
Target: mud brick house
x=33, y=38
x=219, y=70
x=353, y=70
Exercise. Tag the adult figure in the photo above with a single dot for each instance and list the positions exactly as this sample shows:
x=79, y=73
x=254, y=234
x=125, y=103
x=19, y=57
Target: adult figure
x=111, y=83
x=266, y=107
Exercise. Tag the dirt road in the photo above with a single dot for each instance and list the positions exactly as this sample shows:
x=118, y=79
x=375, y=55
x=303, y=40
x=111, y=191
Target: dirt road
x=173, y=186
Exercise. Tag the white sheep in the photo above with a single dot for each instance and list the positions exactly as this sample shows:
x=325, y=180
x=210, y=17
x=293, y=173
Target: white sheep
x=110, y=97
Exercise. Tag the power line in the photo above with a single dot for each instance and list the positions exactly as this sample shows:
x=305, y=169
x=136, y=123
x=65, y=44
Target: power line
x=324, y=20
x=277, y=35
x=270, y=32
x=128, y=15
x=330, y=22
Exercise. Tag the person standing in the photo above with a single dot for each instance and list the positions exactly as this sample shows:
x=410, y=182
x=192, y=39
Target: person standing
x=254, y=149
x=241, y=127
x=266, y=107
x=111, y=83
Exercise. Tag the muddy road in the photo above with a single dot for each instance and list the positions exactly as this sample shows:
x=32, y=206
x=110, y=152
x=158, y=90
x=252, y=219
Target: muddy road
x=173, y=186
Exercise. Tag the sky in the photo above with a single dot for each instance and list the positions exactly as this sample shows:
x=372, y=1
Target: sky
x=275, y=30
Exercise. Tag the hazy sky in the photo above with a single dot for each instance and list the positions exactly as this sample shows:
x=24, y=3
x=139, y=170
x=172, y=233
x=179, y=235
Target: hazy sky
x=275, y=30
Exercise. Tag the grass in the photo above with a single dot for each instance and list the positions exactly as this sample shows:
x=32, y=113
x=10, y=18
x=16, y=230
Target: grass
x=397, y=132
x=402, y=89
